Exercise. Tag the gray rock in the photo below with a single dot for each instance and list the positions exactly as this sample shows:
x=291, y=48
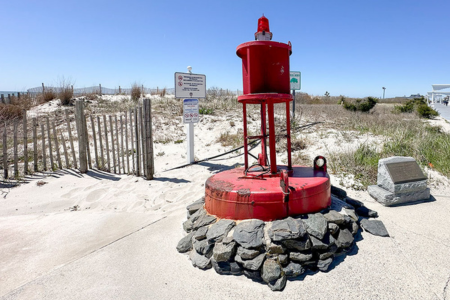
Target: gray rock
x=235, y=268
x=375, y=227
x=283, y=258
x=340, y=193
x=204, y=248
x=275, y=248
x=333, y=228
x=187, y=225
x=228, y=239
x=253, y=275
x=200, y=234
x=354, y=228
x=185, y=244
x=344, y=239
x=323, y=265
x=390, y=199
x=286, y=229
x=300, y=245
x=203, y=220
x=270, y=271
x=192, y=208
x=279, y=284
x=366, y=212
x=293, y=269
x=251, y=264
x=351, y=213
x=323, y=244
x=219, y=230
x=316, y=225
x=194, y=217
x=353, y=202
x=199, y=261
x=338, y=205
x=224, y=252
x=222, y=268
x=334, y=217
x=247, y=253
x=249, y=234
x=300, y=257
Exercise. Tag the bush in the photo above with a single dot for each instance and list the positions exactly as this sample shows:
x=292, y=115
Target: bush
x=205, y=111
x=135, y=92
x=425, y=111
x=65, y=91
x=48, y=95
x=10, y=112
x=363, y=105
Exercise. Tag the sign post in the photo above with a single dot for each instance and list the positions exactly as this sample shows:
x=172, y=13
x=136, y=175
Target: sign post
x=191, y=87
x=296, y=83
x=190, y=116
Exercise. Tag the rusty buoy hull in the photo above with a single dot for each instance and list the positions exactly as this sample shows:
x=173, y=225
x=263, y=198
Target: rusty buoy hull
x=232, y=195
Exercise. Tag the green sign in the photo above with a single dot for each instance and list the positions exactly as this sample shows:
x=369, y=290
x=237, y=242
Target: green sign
x=296, y=80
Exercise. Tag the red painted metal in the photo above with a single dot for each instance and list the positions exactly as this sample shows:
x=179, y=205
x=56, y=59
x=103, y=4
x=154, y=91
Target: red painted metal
x=267, y=191
x=229, y=195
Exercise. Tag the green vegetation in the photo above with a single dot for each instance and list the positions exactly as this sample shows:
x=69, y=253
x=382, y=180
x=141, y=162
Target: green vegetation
x=362, y=105
x=205, y=111
x=418, y=105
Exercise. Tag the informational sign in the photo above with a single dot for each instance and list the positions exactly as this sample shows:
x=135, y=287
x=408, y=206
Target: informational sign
x=188, y=85
x=190, y=111
x=296, y=80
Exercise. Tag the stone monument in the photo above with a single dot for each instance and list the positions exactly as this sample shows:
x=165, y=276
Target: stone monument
x=400, y=180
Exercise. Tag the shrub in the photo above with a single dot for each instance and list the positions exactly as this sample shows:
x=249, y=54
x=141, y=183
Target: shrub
x=205, y=111
x=419, y=105
x=65, y=94
x=10, y=111
x=363, y=105
x=48, y=95
x=425, y=111
x=135, y=92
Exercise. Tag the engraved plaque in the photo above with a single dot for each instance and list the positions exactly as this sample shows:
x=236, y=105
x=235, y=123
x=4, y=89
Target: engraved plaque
x=402, y=172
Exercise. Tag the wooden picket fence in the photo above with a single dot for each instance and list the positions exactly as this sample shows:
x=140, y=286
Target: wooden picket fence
x=120, y=143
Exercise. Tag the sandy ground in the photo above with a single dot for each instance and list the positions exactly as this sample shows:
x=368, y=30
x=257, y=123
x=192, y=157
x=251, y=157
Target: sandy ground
x=105, y=236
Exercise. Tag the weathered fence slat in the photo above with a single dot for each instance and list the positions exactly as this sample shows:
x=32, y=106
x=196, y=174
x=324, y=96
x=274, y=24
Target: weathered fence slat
x=148, y=139
x=88, y=147
x=126, y=143
x=5, y=154
x=132, y=141
x=16, y=157
x=121, y=144
x=136, y=129
x=66, y=157
x=25, y=143
x=107, y=146
x=44, y=158
x=141, y=125
x=49, y=144
x=82, y=138
x=74, y=157
x=112, y=144
x=35, y=146
x=100, y=140
x=58, y=155
x=95, y=142
x=117, y=143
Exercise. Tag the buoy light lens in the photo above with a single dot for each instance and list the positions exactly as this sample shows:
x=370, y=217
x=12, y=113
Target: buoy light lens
x=263, y=24
x=320, y=162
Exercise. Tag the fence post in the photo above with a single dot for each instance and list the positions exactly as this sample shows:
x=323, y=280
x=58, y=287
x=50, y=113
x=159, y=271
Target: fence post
x=148, y=138
x=25, y=142
x=16, y=156
x=5, y=153
x=9, y=99
x=3, y=99
x=136, y=132
x=69, y=129
x=120, y=91
x=44, y=159
x=50, y=149
x=18, y=95
x=81, y=130
x=100, y=86
x=43, y=88
x=35, y=154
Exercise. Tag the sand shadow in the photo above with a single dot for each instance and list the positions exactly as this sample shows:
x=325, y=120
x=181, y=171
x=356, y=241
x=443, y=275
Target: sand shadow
x=218, y=167
x=168, y=179
x=431, y=199
x=101, y=175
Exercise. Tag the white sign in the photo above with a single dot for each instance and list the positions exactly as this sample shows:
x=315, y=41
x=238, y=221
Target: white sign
x=190, y=111
x=188, y=85
x=295, y=80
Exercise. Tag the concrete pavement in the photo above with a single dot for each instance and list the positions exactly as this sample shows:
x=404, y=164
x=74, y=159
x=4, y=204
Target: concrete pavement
x=414, y=263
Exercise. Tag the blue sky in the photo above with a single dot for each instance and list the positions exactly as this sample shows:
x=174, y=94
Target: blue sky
x=351, y=48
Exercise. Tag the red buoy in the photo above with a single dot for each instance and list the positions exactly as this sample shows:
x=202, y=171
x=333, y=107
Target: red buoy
x=265, y=190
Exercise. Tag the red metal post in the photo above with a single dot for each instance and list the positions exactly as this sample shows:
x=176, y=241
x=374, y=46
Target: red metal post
x=244, y=109
x=263, y=133
x=288, y=135
x=273, y=153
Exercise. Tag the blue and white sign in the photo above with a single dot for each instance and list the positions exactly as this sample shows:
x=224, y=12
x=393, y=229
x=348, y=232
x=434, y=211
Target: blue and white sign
x=190, y=111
